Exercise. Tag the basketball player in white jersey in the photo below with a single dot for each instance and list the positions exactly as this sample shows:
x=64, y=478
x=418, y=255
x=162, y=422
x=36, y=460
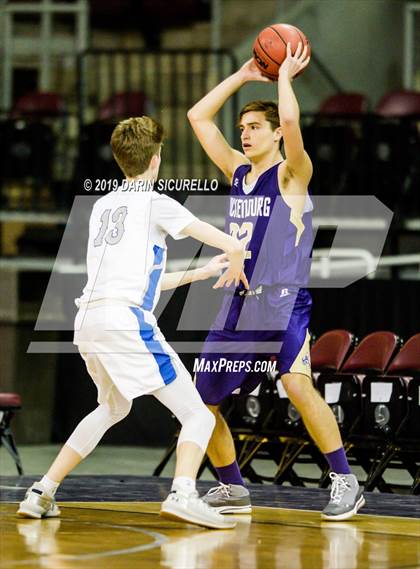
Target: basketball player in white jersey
x=117, y=334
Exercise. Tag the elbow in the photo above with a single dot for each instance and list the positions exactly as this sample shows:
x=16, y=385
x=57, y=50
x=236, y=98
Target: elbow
x=191, y=115
x=289, y=121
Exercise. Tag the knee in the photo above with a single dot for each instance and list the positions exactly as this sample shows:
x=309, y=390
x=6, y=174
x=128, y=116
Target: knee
x=299, y=388
x=120, y=410
x=208, y=418
x=199, y=417
x=198, y=427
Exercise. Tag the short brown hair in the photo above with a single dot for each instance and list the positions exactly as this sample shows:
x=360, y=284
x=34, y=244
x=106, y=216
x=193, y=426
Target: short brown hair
x=134, y=141
x=269, y=108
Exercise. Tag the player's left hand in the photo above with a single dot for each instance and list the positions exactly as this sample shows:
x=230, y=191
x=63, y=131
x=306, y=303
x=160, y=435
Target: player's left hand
x=215, y=266
x=250, y=72
x=294, y=64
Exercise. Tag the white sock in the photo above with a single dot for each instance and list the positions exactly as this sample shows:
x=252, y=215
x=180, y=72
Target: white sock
x=49, y=485
x=183, y=484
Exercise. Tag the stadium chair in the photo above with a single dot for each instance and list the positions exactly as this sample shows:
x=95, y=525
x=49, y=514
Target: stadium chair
x=27, y=141
x=249, y=412
x=286, y=439
x=330, y=350
x=352, y=394
x=333, y=142
x=392, y=150
x=373, y=354
x=343, y=391
x=334, y=148
x=247, y=416
x=9, y=404
x=38, y=105
x=392, y=411
x=407, y=361
x=344, y=103
x=327, y=354
x=398, y=104
x=409, y=436
x=125, y=105
x=95, y=159
x=26, y=152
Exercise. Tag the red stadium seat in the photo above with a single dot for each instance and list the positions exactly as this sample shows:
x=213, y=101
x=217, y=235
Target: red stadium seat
x=332, y=140
x=124, y=105
x=343, y=391
x=344, y=103
x=330, y=350
x=9, y=404
x=373, y=354
x=399, y=104
x=37, y=105
x=407, y=361
x=386, y=409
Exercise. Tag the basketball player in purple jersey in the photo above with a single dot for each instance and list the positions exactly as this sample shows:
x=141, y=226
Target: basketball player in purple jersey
x=270, y=210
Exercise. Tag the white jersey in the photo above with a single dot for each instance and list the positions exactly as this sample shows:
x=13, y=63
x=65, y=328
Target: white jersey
x=126, y=254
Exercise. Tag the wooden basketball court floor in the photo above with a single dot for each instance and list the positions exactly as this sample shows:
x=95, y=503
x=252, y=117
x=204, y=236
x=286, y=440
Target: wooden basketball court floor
x=112, y=521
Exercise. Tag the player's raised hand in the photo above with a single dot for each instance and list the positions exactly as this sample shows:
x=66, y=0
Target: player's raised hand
x=250, y=72
x=294, y=64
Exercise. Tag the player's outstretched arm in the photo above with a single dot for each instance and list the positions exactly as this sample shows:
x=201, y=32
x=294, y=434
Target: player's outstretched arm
x=298, y=162
x=233, y=248
x=202, y=114
x=211, y=269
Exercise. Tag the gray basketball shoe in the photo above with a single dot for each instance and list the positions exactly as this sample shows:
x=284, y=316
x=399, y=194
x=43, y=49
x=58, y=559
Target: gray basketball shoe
x=346, y=498
x=190, y=508
x=229, y=499
x=38, y=504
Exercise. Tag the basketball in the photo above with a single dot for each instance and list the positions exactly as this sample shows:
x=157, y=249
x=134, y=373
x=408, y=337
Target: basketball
x=269, y=48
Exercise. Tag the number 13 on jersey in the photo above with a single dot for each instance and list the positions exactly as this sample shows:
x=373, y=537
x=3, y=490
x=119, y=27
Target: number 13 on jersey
x=242, y=233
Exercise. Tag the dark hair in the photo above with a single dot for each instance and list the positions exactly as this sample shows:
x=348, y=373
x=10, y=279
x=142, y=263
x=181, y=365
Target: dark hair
x=269, y=108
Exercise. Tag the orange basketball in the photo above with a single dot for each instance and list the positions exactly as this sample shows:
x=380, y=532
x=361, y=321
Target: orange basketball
x=269, y=48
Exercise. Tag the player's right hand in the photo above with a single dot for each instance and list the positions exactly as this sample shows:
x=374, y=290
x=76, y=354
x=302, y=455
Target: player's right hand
x=250, y=72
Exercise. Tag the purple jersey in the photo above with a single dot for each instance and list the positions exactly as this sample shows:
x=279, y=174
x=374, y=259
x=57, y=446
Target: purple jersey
x=278, y=253
x=278, y=258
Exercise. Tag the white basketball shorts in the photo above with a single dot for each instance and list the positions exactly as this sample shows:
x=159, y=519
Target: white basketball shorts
x=123, y=346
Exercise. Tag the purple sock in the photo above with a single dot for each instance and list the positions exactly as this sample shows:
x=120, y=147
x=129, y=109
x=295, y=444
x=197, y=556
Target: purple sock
x=230, y=474
x=338, y=461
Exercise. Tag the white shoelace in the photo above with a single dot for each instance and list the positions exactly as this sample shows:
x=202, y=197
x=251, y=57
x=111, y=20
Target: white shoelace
x=223, y=489
x=339, y=487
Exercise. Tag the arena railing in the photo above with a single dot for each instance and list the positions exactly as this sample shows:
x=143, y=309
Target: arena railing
x=168, y=83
